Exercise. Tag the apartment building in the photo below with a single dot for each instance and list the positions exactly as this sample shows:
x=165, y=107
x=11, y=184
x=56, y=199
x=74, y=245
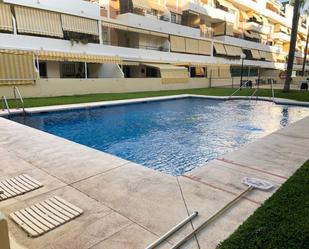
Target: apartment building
x=73, y=47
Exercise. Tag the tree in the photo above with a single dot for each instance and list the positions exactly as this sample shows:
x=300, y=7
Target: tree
x=306, y=12
x=296, y=14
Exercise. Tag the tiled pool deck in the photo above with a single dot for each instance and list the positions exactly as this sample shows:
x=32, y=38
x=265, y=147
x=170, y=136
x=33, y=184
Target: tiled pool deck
x=129, y=206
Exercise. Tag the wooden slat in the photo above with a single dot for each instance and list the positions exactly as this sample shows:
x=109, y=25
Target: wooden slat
x=23, y=225
x=46, y=215
x=17, y=186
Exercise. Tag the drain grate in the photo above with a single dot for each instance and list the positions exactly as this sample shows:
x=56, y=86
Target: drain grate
x=17, y=186
x=46, y=215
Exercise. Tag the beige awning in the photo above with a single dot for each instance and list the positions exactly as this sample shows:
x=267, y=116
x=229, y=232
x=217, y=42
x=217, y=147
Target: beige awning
x=204, y=47
x=226, y=4
x=156, y=6
x=170, y=73
x=267, y=55
x=130, y=29
x=178, y=44
x=225, y=72
x=257, y=17
x=265, y=20
x=281, y=57
x=141, y=4
x=220, y=49
x=192, y=46
x=243, y=15
x=6, y=23
x=79, y=24
x=38, y=22
x=77, y=57
x=233, y=51
x=255, y=54
x=16, y=67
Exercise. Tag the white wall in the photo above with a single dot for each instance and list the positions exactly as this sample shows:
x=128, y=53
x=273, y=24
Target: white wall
x=62, y=87
x=73, y=7
x=110, y=71
x=53, y=69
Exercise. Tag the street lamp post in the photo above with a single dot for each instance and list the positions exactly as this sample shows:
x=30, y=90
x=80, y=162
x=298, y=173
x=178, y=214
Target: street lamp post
x=242, y=57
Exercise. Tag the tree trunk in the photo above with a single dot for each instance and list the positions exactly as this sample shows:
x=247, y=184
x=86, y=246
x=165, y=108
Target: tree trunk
x=296, y=14
x=305, y=56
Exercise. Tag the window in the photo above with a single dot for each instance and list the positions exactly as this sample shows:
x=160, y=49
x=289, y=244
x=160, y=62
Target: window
x=173, y=18
x=43, y=69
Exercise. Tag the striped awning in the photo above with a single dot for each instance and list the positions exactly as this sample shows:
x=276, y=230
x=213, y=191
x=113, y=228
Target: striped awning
x=243, y=15
x=255, y=54
x=141, y=4
x=178, y=44
x=257, y=17
x=79, y=24
x=16, y=67
x=220, y=49
x=77, y=57
x=233, y=50
x=38, y=22
x=226, y=4
x=170, y=73
x=6, y=23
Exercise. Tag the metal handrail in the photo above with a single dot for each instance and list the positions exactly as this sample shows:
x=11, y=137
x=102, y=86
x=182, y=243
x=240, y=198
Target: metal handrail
x=238, y=89
x=254, y=93
x=5, y=104
x=17, y=94
x=272, y=91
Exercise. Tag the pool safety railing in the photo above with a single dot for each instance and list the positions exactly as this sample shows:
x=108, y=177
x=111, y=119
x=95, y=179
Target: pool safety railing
x=272, y=91
x=253, y=94
x=17, y=96
x=5, y=104
x=238, y=89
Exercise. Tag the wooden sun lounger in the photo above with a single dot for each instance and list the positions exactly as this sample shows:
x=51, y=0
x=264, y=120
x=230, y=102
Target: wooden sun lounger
x=18, y=185
x=45, y=216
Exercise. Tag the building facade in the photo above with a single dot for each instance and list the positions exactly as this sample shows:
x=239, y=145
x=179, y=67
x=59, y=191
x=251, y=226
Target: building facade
x=54, y=47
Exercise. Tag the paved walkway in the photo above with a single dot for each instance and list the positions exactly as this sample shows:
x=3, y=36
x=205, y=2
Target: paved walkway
x=129, y=206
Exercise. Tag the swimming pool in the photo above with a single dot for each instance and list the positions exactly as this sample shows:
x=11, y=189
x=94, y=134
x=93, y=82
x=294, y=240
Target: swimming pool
x=172, y=136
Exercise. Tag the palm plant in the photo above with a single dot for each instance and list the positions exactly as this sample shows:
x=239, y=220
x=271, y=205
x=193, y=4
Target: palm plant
x=296, y=14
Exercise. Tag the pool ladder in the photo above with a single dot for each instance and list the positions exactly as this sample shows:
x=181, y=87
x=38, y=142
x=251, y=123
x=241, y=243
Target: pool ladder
x=5, y=105
x=17, y=96
x=18, y=99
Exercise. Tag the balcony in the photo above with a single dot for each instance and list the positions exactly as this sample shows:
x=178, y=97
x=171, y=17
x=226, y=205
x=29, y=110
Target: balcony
x=147, y=23
x=253, y=26
x=216, y=15
x=281, y=36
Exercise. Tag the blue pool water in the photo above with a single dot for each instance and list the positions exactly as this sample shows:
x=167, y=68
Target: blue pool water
x=171, y=136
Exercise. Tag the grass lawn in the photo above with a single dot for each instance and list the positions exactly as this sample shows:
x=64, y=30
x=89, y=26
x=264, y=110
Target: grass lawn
x=33, y=102
x=281, y=223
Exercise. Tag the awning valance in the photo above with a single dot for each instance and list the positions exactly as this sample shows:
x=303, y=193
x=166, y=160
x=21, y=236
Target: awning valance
x=267, y=56
x=178, y=44
x=38, y=22
x=219, y=49
x=6, y=23
x=141, y=4
x=170, y=73
x=255, y=54
x=79, y=24
x=77, y=57
x=16, y=67
x=233, y=51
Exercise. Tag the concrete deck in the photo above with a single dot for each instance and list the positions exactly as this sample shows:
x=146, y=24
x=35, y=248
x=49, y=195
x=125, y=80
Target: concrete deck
x=129, y=206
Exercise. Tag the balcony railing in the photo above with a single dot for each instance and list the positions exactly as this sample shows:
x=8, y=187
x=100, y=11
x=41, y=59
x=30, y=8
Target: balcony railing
x=155, y=48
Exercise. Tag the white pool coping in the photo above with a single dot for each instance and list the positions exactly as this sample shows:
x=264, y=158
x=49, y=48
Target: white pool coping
x=128, y=205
